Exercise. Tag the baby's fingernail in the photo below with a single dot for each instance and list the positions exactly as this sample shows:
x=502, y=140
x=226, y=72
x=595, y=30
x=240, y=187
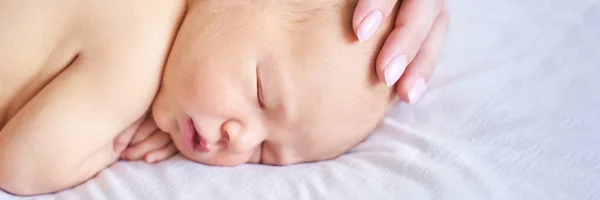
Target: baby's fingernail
x=416, y=89
x=369, y=25
x=394, y=70
x=149, y=159
x=119, y=148
x=126, y=154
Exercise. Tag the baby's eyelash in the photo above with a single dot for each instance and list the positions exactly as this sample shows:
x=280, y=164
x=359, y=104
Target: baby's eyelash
x=262, y=146
x=259, y=90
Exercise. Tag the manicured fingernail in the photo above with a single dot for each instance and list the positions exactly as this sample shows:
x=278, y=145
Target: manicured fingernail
x=394, y=70
x=416, y=89
x=369, y=25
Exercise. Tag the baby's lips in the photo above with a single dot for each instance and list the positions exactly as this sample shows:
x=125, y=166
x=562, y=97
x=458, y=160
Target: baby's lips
x=201, y=148
x=203, y=141
x=202, y=144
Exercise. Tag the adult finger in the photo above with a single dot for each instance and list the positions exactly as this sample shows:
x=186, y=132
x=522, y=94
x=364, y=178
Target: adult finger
x=411, y=28
x=368, y=16
x=161, y=154
x=414, y=80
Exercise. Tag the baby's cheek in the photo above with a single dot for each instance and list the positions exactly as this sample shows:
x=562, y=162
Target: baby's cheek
x=178, y=141
x=163, y=120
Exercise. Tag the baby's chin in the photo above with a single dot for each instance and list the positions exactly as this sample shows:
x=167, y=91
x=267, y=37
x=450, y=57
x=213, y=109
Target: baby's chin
x=213, y=161
x=209, y=158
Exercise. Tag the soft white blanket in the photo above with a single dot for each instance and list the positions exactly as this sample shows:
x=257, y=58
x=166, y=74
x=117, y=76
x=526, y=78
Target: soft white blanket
x=512, y=113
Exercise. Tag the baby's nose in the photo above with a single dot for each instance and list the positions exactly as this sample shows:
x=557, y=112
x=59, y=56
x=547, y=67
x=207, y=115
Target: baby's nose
x=238, y=138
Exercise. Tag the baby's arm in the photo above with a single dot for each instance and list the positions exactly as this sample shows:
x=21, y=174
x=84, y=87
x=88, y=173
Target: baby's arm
x=64, y=135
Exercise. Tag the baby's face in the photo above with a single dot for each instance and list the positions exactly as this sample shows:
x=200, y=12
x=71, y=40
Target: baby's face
x=270, y=82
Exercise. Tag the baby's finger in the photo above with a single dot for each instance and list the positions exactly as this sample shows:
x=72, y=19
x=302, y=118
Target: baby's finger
x=161, y=154
x=155, y=141
x=124, y=138
x=145, y=130
x=412, y=27
x=414, y=81
x=368, y=16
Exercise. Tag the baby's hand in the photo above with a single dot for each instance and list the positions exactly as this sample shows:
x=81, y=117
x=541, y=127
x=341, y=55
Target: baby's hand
x=149, y=143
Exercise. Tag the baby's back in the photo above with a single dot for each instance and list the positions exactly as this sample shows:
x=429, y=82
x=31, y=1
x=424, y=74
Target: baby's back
x=83, y=70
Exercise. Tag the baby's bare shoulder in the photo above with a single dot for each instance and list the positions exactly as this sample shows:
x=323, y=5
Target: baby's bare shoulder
x=131, y=30
x=43, y=39
x=99, y=62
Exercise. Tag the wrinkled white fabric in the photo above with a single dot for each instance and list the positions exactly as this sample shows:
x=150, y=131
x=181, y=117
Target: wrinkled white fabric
x=512, y=113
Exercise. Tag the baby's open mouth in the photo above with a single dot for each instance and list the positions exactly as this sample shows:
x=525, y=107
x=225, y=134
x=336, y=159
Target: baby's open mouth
x=193, y=139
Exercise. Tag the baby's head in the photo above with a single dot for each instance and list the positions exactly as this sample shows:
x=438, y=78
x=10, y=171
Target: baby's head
x=270, y=81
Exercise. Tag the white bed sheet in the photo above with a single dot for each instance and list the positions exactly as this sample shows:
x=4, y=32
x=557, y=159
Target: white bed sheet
x=512, y=113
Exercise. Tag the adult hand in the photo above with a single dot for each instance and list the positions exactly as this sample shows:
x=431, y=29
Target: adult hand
x=409, y=54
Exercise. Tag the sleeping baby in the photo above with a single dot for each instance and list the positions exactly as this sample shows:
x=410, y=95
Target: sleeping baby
x=266, y=82
x=269, y=82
